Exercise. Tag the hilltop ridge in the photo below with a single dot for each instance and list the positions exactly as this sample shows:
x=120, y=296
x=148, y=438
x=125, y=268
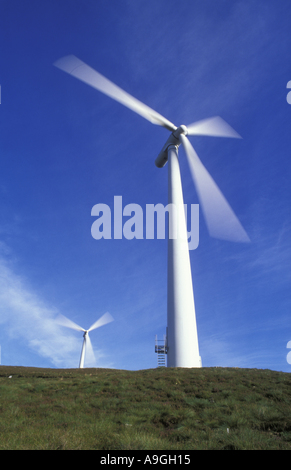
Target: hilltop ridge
x=152, y=409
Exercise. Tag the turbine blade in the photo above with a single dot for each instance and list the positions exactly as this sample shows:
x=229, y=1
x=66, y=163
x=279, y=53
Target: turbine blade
x=89, y=353
x=215, y=127
x=82, y=71
x=220, y=219
x=106, y=318
x=64, y=321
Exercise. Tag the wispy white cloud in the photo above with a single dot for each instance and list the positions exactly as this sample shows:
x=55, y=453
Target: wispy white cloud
x=208, y=78
x=229, y=350
x=269, y=256
x=276, y=256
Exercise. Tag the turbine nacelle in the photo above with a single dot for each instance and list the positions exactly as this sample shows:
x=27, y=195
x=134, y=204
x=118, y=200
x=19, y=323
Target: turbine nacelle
x=162, y=158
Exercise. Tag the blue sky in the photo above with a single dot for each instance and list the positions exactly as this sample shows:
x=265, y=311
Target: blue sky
x=65, y=147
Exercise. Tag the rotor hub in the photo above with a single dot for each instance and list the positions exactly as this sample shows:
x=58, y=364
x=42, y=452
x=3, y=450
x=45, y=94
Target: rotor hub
x=180, y=130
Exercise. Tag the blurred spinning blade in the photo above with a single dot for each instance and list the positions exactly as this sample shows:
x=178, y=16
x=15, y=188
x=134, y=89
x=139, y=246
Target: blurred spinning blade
x=213, y=127
x=64, y=321
x=89, y=353
x=220, y=219
x=87, y=74
x=106, y=318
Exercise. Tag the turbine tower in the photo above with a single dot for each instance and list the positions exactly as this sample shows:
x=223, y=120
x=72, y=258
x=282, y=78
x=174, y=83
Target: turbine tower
x=87, y=345
x=182, y=338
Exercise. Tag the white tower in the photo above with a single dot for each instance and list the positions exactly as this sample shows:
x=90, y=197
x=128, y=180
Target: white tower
x=182, y=338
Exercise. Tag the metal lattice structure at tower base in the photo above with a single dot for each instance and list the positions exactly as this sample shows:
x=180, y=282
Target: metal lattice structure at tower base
x=161, y=350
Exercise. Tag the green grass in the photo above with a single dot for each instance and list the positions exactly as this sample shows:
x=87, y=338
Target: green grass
x=155, y=409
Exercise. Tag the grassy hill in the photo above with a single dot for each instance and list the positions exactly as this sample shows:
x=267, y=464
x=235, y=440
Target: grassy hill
x=155, y=409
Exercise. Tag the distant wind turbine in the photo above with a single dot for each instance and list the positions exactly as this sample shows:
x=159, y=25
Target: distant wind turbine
x=87, y=345
x=182, y=338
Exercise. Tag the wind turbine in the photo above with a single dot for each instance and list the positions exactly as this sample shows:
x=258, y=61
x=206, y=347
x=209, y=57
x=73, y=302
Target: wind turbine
x=87, y=345
x=182, y=338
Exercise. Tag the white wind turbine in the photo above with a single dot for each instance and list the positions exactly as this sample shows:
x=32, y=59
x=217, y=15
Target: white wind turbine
x=87, y=345
x=182, y=338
